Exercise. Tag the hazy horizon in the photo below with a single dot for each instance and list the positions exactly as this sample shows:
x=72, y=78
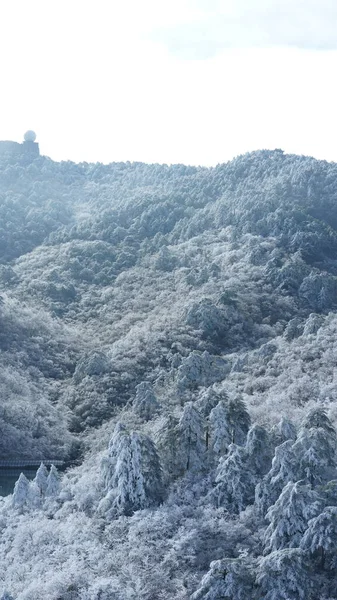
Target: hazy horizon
x=190, y=82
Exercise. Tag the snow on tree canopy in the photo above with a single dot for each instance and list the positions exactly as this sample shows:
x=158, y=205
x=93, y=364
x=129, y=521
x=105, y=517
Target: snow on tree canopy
x=41, y=479
x=317, y=417
x=166, y=260
x=220, y=431
x=218, y=286
x=191, y=434
x=313, y=323
x=108, y=463
x=132, y=474
x=126, y=482
x=6, y=596
x=207, y=317
x=259, y=449
x=20, y=497
x=239, y=419
x=320, y=538
x=53, y=483
x=284, y=468
x=209, y=399
x=228, y=578
x=167, y=438
x=283, y=575
x=289, y=516
x=319, y=291
x=283, y=431
x=95, y=363
x=315, y=449
x=145, y=403
x=235, y=482
x=201, y=369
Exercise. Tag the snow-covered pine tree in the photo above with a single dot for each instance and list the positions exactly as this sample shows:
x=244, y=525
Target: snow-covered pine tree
x=259, y=450
x=35, y=498
x=209, y=399
x=220, y=430
x=145, y=404
x=118, y=432
x=132, y=476
x=191, y=440
x=167, y=443
x=315, y=449
x=239, y=420
x=20, y=498
x=53, y=483
x=234, y=481
x=328, y=492
x=230, y=578
x=284, y=575
x=284, y=469
x=41, y=478
x=151, y=470
x=283, y=431
x=137, y=492
x=289, y=516
x=200, y=369
x=318, y=418
x=320, y=539
x=108, y=463
x=287, y=429
x=312, y=457
x=123, y=480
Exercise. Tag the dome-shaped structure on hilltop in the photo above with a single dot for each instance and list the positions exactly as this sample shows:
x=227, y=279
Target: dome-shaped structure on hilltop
x=25, y=152
x=30, y=136
x=30, y=147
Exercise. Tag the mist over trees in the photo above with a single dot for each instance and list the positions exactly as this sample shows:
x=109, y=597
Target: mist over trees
x=170, y=333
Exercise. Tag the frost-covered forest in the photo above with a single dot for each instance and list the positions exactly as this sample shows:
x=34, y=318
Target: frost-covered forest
x=170, y=332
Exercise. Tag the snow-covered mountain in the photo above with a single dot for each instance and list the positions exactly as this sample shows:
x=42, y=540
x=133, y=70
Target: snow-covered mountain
x=170, y=330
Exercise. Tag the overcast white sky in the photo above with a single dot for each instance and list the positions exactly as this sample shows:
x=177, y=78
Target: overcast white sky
x=191, y=81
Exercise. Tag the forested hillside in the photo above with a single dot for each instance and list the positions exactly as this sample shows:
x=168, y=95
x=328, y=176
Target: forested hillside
x=170, y=332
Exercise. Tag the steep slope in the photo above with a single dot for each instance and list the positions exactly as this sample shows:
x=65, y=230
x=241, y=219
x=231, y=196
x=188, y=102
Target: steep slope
x=172, y=300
